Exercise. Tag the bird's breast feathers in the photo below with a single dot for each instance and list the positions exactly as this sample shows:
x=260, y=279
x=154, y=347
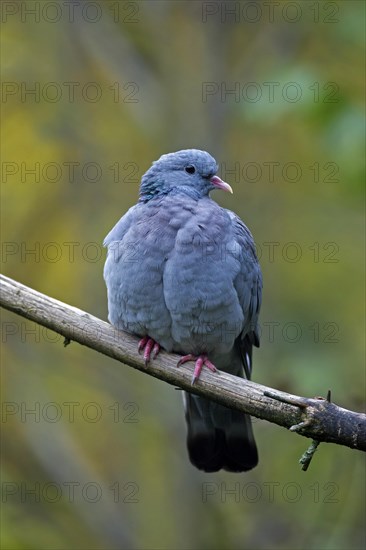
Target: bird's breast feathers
x=171, y=273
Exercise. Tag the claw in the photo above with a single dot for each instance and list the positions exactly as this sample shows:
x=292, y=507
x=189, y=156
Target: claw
x=155, y=350
x=142, y=343
x=186, y=358
x=150, y=348
x=200, y=361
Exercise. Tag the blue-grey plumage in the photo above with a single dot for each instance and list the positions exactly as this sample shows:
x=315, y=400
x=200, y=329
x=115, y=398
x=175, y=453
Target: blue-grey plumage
x=183, y=271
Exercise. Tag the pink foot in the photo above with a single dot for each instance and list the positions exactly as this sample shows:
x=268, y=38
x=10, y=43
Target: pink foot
x=150, y=347
x=200, y=361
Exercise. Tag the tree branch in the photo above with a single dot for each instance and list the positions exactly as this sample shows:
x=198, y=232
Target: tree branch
x=317, y=418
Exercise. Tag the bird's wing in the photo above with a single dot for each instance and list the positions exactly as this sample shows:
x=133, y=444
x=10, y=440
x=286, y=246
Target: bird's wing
x=248, y=285
x=137, y=249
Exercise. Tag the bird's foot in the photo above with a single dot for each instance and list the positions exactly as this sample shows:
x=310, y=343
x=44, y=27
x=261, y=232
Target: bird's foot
x=200, y=361
x=150, y=348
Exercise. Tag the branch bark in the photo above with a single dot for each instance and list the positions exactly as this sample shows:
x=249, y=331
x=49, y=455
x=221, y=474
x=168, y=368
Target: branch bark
x=316, y=418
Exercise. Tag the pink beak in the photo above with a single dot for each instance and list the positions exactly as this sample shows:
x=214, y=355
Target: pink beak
x=219, y=184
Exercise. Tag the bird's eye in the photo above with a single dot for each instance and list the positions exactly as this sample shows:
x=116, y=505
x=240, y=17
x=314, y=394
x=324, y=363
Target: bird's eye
x=190, y=169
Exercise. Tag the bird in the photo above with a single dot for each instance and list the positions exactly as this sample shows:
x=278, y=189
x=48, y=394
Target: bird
x=182, y=274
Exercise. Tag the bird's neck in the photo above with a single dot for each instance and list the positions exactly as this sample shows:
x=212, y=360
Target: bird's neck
x=181, y=191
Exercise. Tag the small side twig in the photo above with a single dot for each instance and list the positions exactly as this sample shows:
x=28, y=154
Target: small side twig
x=289, y=399
x=308, y=455
x=302, y=403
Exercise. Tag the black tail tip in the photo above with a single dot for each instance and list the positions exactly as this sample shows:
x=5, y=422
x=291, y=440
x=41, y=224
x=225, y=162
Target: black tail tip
x=213, y=454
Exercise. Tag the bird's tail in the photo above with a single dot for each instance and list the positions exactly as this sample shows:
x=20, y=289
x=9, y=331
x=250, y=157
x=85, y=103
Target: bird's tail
x=219, y=437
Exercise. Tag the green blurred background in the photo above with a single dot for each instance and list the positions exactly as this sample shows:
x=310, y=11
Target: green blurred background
x=101, y=462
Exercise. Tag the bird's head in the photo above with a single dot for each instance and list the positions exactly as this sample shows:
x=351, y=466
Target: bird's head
x=190, y=171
